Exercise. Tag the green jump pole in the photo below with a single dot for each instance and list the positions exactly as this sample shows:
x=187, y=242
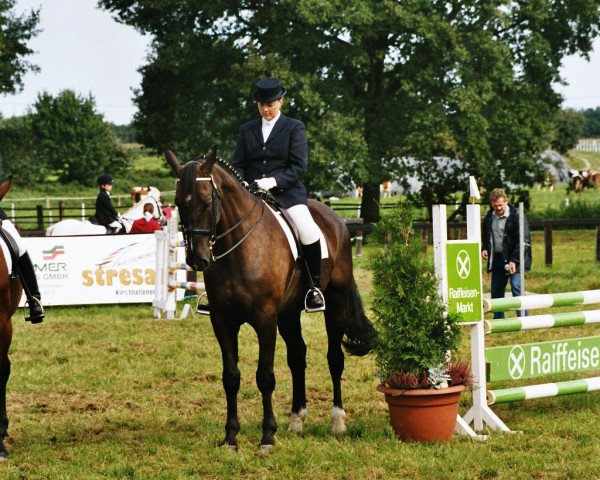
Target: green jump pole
x=532, y=302
x=545, y=390
x=542, y=321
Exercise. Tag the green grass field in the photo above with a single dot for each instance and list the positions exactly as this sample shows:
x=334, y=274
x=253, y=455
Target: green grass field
x=108, y=392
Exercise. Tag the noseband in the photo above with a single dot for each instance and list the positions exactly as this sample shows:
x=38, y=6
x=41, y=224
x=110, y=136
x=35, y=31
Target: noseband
x=215, y=202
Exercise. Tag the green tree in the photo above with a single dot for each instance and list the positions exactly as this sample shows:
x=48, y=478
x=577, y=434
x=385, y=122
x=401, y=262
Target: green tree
x=568, y=127
x=401, y=85
x=592, y=122
x=19, y=154
x=73, y=139
x=15, y=32
x=125, y=133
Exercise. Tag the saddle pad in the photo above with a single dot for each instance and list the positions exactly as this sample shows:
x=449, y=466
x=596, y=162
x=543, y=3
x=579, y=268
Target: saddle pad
x=290, y=236
x=6, y=254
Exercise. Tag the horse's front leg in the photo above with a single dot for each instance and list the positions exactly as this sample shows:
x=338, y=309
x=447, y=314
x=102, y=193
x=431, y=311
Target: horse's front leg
x=227, y=336
x=266, y=329
x=291, y=332
x=6, y=335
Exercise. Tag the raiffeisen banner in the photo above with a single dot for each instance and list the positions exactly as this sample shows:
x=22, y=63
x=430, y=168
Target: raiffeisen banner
x=94, y=269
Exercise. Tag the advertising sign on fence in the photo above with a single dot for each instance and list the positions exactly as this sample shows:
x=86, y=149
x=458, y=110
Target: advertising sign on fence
x=94, y=269
x=464, y=279
x=514, y=362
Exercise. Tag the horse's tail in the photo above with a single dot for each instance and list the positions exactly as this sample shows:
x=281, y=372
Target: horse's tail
x=361, y=334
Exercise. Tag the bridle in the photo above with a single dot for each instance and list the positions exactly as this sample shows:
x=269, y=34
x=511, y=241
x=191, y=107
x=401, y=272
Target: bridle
x=215, y=208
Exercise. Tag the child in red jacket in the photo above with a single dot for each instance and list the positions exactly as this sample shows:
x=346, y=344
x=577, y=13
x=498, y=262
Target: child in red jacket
x=146, y=224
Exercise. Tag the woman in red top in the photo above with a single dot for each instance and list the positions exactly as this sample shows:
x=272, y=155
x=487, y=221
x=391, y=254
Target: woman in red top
x=146, y=224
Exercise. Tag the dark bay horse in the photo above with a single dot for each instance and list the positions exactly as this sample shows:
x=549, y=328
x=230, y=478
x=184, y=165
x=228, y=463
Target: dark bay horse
x=10, y=294
x=251, y=276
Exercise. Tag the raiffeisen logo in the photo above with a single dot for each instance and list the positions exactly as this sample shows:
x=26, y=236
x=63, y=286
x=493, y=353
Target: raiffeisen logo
x=54, y=252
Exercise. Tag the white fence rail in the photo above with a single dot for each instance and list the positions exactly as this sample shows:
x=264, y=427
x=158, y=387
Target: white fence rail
x=588, y=145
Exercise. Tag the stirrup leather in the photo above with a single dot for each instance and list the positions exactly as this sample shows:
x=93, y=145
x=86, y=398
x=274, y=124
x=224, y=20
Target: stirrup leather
x=314, y=308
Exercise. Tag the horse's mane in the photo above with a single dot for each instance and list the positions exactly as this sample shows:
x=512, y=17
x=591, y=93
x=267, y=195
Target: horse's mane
x=223, y=164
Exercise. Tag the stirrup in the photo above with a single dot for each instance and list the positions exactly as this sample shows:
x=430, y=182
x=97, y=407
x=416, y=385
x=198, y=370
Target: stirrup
x=203, y=308
x=36, y=317
x=317, y=303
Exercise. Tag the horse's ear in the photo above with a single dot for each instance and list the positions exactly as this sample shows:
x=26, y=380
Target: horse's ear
x=173, y=162
x=5, y=186
x=210, y=161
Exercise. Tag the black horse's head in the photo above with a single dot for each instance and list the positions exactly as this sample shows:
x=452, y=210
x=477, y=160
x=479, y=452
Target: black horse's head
x=198, y=201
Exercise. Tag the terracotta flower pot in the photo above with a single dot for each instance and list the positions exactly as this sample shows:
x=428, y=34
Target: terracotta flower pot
x=423, y=415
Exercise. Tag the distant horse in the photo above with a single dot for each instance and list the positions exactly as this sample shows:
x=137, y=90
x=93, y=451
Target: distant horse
x=576, y=181
x=70, y=226
x=251, y=276
x=591, y=179
x=10, y=294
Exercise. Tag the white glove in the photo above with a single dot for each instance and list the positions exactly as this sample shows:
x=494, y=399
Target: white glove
x=266, y=183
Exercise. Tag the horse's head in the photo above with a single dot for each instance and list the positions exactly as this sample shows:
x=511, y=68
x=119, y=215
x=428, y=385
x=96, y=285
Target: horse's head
x=198, y=201
x=5, y=186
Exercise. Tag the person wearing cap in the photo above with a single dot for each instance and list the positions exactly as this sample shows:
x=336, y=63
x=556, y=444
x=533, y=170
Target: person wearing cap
x=272, y=152
x=106, y=214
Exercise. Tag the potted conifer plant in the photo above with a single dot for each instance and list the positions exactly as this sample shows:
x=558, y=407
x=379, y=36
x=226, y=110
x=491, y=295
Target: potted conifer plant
x=415, y=335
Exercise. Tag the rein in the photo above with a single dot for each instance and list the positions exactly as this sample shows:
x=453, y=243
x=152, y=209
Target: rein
x=212, y=231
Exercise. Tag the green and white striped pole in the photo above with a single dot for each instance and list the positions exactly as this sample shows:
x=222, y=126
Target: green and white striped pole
x=545, y=390
x=531, y=302
x=569, y=319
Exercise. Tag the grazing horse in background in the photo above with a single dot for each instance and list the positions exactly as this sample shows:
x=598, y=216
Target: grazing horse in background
x=251, y=276
x=10, y=294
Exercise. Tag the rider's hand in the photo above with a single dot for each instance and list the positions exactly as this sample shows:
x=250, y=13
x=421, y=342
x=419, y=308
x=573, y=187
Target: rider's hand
x=266, y=183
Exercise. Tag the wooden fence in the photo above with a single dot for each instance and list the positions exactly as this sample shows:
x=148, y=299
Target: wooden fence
x=34, y=221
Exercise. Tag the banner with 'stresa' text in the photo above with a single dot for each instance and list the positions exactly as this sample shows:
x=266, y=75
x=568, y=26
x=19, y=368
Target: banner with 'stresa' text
x=94, y=269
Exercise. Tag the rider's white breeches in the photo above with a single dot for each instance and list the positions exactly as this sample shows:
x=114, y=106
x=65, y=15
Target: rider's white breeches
x=116, y=225
x=13, y=232
x=308, y=231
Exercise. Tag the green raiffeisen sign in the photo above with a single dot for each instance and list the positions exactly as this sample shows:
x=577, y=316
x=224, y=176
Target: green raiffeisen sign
x=514, y=362
x=463, y=269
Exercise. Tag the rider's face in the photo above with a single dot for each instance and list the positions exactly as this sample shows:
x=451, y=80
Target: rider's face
x=269, y=110
x=107, y=187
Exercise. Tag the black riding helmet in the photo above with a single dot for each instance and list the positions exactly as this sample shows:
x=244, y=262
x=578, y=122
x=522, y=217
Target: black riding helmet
x=104, y=179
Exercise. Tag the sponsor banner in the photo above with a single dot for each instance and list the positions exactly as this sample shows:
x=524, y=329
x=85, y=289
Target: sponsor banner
x=94, y=269
x=514, y=362
x=463, y=269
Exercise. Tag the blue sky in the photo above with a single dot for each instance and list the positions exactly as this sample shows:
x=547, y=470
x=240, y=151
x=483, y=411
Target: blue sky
x=84, y=49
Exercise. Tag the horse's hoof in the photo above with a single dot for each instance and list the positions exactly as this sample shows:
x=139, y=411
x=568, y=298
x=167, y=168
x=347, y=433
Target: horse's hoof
x=228, y=446
x=339, y=425
x=297, y=421
x=265, y=449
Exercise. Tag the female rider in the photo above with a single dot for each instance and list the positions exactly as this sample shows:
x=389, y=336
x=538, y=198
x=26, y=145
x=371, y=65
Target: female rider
x=272, y=151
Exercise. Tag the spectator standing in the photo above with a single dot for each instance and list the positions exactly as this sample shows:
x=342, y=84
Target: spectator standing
x=500, y=246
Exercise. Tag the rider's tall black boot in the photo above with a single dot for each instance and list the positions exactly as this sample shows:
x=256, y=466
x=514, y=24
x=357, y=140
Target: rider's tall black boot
x=314, y=300
x=31, y=288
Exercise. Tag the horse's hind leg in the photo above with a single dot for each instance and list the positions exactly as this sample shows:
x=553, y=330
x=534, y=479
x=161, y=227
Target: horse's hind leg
x=228, y=341
x=291, y=332
x=336, y=317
